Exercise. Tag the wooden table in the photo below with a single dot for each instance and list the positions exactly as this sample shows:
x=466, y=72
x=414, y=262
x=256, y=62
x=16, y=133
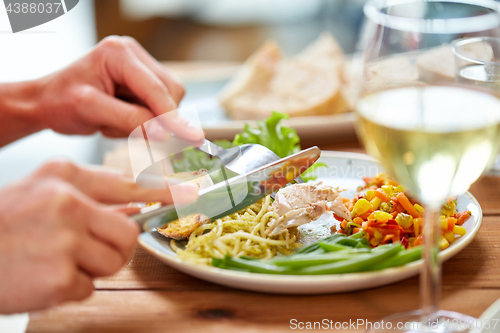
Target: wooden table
x=148, y=296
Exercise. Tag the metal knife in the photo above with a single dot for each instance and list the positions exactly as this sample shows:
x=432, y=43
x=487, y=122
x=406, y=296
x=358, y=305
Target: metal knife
x=236, y=193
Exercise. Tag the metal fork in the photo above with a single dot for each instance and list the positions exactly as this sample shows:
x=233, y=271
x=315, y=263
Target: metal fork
x=242, y=159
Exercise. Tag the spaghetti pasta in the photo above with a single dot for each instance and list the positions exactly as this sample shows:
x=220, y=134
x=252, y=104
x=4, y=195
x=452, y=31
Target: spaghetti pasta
x=239, y=234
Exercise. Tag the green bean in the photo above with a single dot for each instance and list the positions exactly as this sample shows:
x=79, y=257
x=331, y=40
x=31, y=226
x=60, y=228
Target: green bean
x=331, y=247
x=358, y=263
x=249, y=265
x=315, y=245
x=308, y=259
x=400, y=259
x=363, y=243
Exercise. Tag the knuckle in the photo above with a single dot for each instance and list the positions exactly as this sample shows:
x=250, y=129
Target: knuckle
x=113, y=43
x=129, y=40
x=63, y=200
x=179, y=90
x=63, y=169
x=83, y=95
x=156, y=88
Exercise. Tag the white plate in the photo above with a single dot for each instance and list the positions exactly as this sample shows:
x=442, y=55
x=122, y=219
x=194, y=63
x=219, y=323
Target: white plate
x=345, y=170
x=217, y=124
x=204, y=82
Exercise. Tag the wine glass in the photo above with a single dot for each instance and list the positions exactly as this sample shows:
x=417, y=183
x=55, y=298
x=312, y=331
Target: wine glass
x=477, y=62
x=434, y=135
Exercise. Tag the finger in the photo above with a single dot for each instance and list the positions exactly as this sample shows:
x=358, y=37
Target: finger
x=102, y=110
x=84, y=287
x=97, y=258
x=173, y=83
x=125, y=209
x=109, y=185
x=113, y=186
x=81, y=287
x=126, y=69
x=113, y=229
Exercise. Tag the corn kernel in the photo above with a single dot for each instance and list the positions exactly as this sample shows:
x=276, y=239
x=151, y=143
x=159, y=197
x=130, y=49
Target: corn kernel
x=386, y=207
x=369, y=195
x=450, y=236
x=443, y=243
x=419, y=208
x=381, y=217
x=388, y=189
x=375, y=203
x=361, y=206
x=459, y=230
x=405, y=221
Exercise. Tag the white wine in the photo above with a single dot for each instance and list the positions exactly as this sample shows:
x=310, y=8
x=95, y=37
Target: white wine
x=435, y=140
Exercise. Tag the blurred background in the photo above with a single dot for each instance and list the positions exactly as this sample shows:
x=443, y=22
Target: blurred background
x=186, y=34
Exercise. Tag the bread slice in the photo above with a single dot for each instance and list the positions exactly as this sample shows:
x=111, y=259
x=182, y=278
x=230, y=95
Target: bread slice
x=391, y=72
x=437, y=64
x=183, y=227
x=307, y=84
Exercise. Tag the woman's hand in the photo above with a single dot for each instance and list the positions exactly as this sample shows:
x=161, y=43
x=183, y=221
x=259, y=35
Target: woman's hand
x=56, y=235
x=113, y=89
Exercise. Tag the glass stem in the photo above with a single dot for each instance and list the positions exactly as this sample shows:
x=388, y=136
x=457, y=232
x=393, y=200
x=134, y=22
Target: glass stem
x=430, y=276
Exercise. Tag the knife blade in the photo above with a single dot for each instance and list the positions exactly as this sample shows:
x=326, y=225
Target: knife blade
x=236, y=193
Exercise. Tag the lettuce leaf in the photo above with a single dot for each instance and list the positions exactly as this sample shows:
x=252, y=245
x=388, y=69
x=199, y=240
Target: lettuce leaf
x=282, y=140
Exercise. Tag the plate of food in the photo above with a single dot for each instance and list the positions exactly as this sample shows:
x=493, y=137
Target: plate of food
x=348, y=227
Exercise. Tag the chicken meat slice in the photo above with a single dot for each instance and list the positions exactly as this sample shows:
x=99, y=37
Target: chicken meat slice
x=302, y=203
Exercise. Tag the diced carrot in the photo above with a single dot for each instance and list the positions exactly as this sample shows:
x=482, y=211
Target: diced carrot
x=451, y=223
x=338, y=218
x=403, y=200
x=345, y=200
x=462, y=217
x=382, y=195
x=419, y=240
x=356, y=230
x=343, y=224
x=387, y=238
x=392, y=182
x=364, y=216
x=358, y=220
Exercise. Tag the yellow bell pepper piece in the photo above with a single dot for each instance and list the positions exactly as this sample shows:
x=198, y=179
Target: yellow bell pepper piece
x=459, y=230
x=450, y=236
x=375, y=202
x=388, y=189
x=369, y=195
x=361, y=206
x=419, y=208
x=443, y=243
x=417, y=226
x=381, y=217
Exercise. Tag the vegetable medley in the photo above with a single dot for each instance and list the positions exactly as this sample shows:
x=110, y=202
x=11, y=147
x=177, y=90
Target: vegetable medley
x=387, y=215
